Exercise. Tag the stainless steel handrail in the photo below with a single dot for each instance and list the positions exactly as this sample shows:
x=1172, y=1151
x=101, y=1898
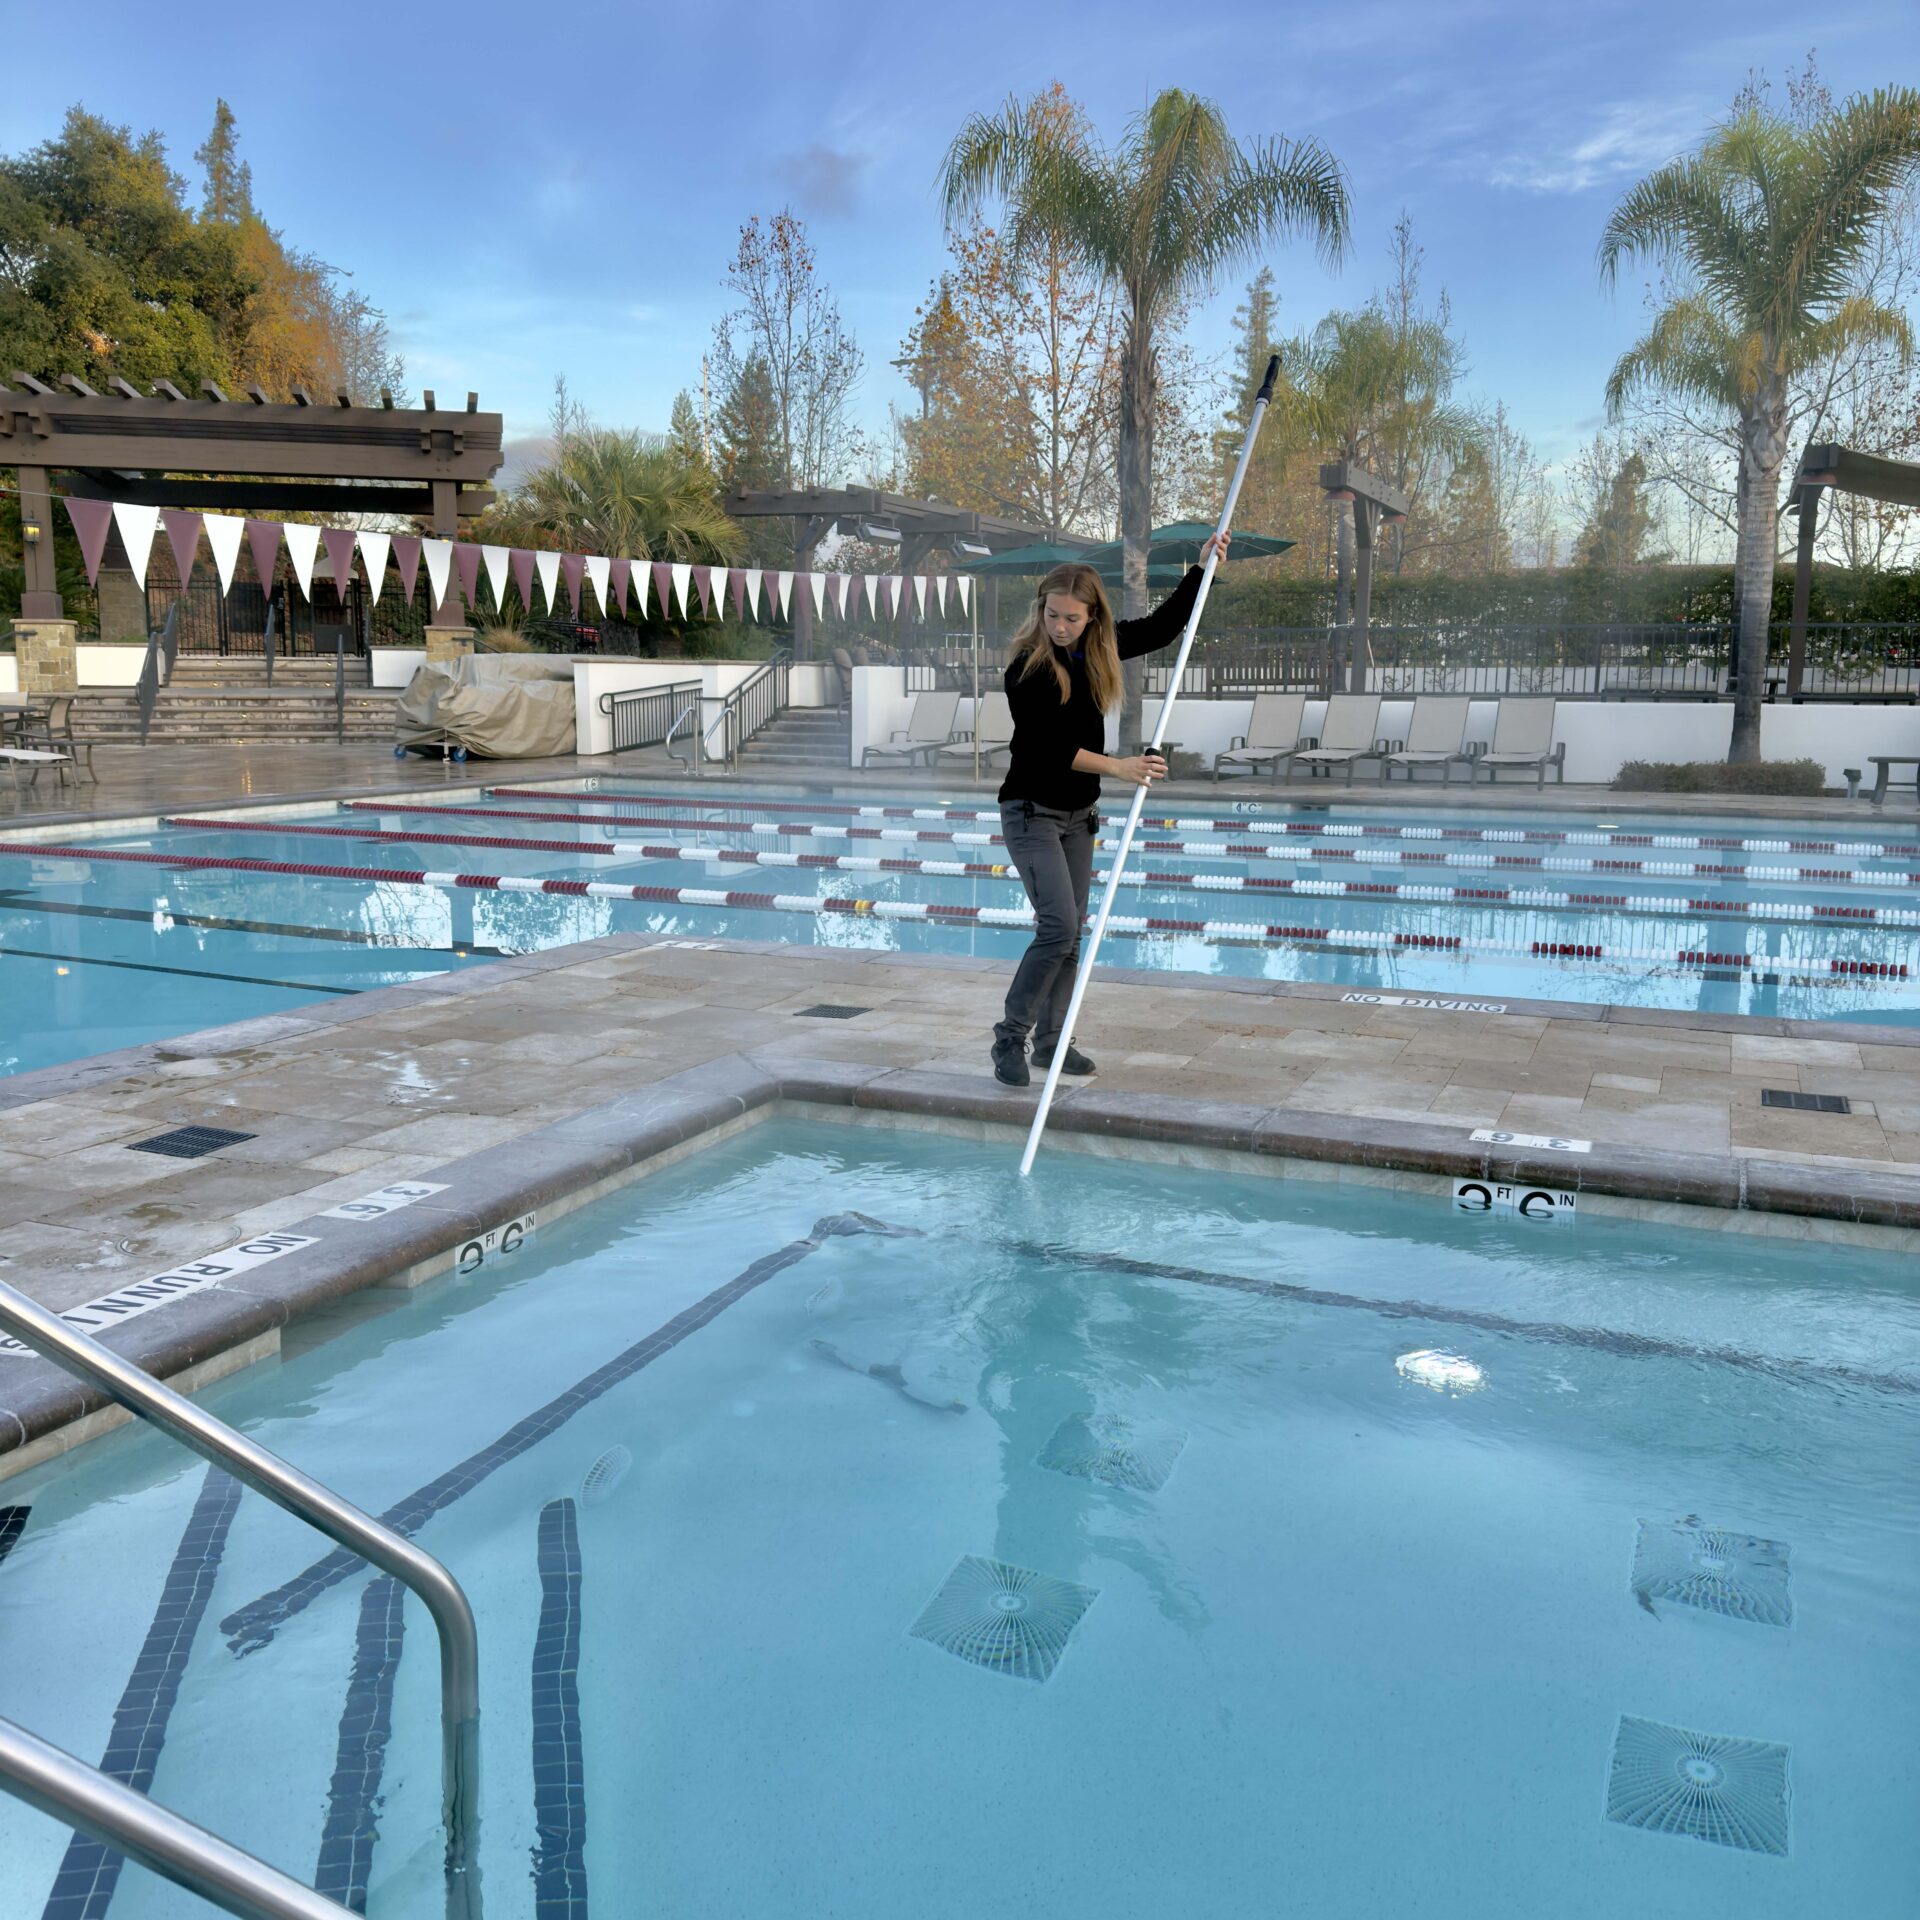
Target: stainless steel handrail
x=81, y=1796
x=696, y=754
x=303, y=1496
x=729, y=716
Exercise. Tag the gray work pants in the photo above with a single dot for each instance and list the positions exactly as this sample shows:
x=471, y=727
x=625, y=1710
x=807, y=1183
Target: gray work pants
x=1053, y=852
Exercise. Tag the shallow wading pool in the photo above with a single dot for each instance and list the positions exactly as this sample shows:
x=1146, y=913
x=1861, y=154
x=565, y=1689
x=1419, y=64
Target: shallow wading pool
x=858, y=1530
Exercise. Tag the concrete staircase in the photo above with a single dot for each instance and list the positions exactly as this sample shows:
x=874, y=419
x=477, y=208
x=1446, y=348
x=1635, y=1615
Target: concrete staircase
x=305, y=673
x=804, y=742
x=221, y=700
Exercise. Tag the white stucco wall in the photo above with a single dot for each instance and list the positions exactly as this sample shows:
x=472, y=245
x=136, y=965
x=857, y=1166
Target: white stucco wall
x=9, y=674
x=881, y=703
x=395, y=666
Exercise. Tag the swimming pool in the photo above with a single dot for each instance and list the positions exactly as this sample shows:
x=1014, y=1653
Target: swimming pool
x=1130, y=1542
x=112, y=938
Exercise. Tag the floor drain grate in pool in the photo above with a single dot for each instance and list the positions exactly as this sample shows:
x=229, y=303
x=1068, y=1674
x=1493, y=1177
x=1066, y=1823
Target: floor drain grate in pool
x=1111, y=1448
x=1805, y=1102
x=1719, y=1572
x=606, y=1473
x=1703, y=1786
x=831, y=1013
x=189, y=1143
x=1006, y=1619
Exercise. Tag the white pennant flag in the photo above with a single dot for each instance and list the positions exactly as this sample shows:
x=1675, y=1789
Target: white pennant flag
x=225, y=531
x=303, y=543
x=920, y=594
x=751, y=575
x=819, y=592
x=719, y=592
x=961, y=586
x=597, y=567
x=374, y=548
x=785, y=581
x=496, y=559
x=137, y=527
x=438, y=554
x=682, y=581
x=873, y=592
x=640, y=580
x=547, y=566
x=940, y=593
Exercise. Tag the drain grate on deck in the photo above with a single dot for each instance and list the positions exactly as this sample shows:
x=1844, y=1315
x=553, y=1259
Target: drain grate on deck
x=1717, y=1571
x=1805, y=1102
x=831, y=1013
x=1007, y=1619
x=189, y=1143
x=1119, y=1452
x=1703, y=1786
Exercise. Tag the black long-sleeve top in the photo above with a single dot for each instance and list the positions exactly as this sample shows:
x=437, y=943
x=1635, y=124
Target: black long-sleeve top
x=1047, y=733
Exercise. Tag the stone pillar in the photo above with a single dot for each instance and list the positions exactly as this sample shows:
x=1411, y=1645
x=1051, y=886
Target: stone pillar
x=46, y=656
x=449, y=643
x=123, y=604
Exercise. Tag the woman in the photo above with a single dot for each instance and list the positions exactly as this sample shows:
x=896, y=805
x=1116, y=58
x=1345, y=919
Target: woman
x=1062, y=682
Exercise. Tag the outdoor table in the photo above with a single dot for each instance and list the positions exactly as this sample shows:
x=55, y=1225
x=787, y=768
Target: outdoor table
x=1883, y=765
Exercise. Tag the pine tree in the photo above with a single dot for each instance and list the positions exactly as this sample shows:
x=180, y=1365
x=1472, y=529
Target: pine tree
x=1620, y=524
x=684, y=428
x=229, y=195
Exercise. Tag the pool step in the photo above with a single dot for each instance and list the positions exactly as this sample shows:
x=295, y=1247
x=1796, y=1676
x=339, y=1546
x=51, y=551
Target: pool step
x=803, y=738
x=298, y=673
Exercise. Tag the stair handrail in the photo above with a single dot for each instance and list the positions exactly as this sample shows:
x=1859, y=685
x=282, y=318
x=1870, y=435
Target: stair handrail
x=773, y=669
x=146, y=690
x=340, y=694
x=695, y=751
x=266, y=636
x=55, y=1782
x=342, y=1522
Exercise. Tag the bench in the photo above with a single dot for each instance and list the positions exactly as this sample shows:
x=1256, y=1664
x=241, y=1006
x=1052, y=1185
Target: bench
x=1883, y=765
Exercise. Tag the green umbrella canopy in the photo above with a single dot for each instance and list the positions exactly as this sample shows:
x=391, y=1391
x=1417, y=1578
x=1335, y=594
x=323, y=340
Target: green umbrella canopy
x=1040, y=558
x=1181, y=541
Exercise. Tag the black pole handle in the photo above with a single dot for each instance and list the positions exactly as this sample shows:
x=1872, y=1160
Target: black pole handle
x=1273, y=374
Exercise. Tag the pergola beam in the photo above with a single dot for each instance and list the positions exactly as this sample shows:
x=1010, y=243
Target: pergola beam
x=1372, y=500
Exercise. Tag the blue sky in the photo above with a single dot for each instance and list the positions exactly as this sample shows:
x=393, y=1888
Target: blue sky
x=528, y=193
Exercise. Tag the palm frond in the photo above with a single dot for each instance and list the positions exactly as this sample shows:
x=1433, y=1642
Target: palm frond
x=1688, y=349
x=1273, y=189
x=1857, y=321
x=1682, y=211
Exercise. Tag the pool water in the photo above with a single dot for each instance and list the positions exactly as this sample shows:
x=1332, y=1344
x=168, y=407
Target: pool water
x=1128, y=1542
x=1805, y=922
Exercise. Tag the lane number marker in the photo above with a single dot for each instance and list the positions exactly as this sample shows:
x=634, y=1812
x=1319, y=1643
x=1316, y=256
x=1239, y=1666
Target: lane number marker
x=1545, y=1142
x=403, y=1193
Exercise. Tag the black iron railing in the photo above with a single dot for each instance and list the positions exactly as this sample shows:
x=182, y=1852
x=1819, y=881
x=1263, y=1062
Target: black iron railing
x=156, y=669
x=756, y=702
x=647, y=716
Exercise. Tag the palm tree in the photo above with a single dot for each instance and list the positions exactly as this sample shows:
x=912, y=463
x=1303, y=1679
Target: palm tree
x=1163, y=215
x=1765, y=227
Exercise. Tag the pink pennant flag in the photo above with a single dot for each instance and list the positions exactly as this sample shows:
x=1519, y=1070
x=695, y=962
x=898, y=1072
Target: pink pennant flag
x=339, y=543
x=466, y=560
x=573, y=566
x=406, y=556
x=91, y=519
x=523, y=577
x=617, y=576
x=662, y=571
x=263, y=541
x=183, y=536
x=703, y=586
x=737, y=591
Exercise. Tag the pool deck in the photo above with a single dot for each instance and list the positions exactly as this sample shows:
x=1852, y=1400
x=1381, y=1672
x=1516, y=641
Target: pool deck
x=525, y=1081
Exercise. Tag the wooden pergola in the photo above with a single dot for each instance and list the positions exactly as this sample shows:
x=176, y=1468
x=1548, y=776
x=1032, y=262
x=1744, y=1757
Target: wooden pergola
x=924, y=527
x=173, y=450
x=1372, y=501
x=1873, y=477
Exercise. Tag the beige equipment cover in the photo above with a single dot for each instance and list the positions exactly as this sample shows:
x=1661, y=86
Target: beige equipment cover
x=500, y=706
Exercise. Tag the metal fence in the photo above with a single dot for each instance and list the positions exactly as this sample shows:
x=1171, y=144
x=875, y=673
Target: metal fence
x=646, y=716
x=235, y=622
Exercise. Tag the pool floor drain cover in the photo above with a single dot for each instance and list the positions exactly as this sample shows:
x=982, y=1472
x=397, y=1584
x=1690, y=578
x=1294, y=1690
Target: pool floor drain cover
x=1111, y=1448
x=831, y=1013
x=606, y=1473
x=1805, y=1102
x=1006, y=1619
x=189, y=1143
x=1704, y=1786
x=1719, y=1572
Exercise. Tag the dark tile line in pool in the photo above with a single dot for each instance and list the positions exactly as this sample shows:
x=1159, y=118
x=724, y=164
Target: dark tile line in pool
x=559, y=1768
x=352, y=1826
x=71, y=959
x=84, y=1885
x=13, y=1523
x=251, y=1627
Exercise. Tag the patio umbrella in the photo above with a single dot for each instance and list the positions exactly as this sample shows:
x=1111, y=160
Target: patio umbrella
x=1180, y=542
x=1039, y=558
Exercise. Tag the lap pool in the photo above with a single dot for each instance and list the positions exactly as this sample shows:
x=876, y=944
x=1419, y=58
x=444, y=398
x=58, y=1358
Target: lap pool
x=113, y=938
x=857, y=1530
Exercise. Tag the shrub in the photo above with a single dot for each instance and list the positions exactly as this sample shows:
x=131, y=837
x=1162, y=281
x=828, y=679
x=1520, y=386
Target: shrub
x=1719, y=776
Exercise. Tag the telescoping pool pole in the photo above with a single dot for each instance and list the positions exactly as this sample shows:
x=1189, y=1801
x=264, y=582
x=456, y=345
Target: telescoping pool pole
x=1140, y=793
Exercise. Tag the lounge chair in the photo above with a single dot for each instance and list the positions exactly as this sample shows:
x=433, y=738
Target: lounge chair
x=928, y=730
x=54, y=732
x=1436, y=737
x=1523, y=738
x=1348, y=735
x=993, y=730
x=1271, y=736
x=33, y=759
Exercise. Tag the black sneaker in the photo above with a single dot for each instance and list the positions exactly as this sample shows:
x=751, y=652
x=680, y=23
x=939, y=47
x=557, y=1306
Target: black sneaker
x=1076, y=1063
x=1010, y=1063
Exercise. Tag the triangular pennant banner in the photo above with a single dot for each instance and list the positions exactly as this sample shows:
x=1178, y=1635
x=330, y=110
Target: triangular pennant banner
x=406, y=556
x=753, y=576
x=873, y=592
x=920, y=595
x=303, y=548
x=818, y=582
x=183, y=536
x=963, y=587
x=522, y=560
x=496, y=559
x=940, y=593
x=737, y=586
x=682, y=574
x=547, y=566
x=339, y=543
x=838, y=585
x=91, y=519
x=466, y=563
x=137, y=527
x=618, y=574
x=642, y=573
x=224, y=534
x=703, y=586
x=438, y=555
x=373, y=556
x=263, y=542
x=597, y=570
x=573, y=566
x=785, y=582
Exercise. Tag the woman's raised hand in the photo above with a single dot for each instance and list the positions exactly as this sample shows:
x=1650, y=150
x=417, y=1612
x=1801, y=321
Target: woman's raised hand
x=1141, y=769
x=1221, y=540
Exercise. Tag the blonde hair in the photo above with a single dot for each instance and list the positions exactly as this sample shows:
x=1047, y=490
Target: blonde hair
x=1033, y=652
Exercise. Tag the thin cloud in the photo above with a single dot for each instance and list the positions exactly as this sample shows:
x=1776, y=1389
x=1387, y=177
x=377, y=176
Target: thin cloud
x=1631, y=138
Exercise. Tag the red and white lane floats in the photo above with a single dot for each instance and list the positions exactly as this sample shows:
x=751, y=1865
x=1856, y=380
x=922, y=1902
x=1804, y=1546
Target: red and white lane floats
x=1309, y=829
x=1320, y=938
x=1528, y=898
